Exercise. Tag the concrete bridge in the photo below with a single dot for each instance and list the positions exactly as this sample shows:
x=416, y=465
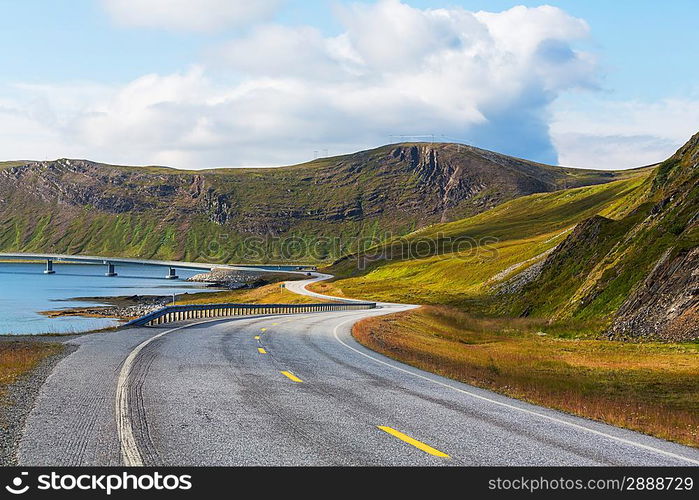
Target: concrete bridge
x=112, y=262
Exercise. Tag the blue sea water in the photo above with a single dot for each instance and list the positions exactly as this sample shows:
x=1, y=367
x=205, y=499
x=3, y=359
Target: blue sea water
x=25, y=291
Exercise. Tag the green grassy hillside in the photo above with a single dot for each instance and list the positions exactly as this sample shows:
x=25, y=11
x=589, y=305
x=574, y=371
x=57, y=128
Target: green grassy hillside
x=228, y=215
x=622, y=255
x=466, y=256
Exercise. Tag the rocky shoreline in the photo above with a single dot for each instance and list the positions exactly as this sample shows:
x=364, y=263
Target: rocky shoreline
x=232, y=279
x=123, y=308
x=130, y=307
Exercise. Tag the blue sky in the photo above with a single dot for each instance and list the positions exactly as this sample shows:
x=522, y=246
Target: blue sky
x=71, y=72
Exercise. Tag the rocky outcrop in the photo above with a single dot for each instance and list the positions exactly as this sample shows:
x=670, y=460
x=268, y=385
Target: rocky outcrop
x=529, y=270
x=639, y=273
x=666, y=305
x=233, y=279
x=464, y=180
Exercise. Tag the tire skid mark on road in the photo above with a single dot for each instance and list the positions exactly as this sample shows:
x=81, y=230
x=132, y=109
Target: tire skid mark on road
x=137, y=407
x=84, y=422
x=130, y=452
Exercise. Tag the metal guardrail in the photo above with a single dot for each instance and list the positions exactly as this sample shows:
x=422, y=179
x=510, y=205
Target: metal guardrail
x=169, y=314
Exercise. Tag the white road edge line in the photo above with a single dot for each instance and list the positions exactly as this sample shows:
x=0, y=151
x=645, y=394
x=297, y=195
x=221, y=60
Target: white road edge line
x=512, y=407
x=130, y=454
x=129, y=449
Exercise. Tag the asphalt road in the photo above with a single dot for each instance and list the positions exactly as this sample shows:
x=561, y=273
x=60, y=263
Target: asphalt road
x=294, y=390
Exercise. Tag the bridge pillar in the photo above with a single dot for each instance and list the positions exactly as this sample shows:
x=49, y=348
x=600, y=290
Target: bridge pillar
x=110, y=270
x=171, y=275
x=49, y=267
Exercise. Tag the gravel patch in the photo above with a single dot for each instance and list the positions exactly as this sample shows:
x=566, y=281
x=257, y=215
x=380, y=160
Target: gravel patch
x=20, y=397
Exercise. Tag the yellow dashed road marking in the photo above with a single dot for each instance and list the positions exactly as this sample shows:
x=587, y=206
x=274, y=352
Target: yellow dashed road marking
x=291, y=376
x=417, y=444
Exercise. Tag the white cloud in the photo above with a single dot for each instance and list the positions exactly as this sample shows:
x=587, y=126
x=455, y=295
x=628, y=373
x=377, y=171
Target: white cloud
x=275, y=95
x=598, y=133
x=189, y=15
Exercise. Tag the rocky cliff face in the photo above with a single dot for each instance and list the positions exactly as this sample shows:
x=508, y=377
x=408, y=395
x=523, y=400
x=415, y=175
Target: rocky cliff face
x=666, y=304
x=83, y=183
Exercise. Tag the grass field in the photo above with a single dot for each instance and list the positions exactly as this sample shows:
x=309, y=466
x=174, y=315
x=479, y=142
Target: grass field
x=651, y=388
x=267, y=294
x=19, y=357
x=428, y=267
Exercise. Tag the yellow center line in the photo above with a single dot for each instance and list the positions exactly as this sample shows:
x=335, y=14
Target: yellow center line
x=257, y=337
x=417, y=444
x=291, y=376
x=275, y=324
x=263, y=329
x=261, y=350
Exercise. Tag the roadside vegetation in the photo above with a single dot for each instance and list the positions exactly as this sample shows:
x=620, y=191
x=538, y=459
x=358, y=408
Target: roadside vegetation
x=267, y=294
x=18, y=358
x=647, y=387
x=513, y=236
x=547, y=341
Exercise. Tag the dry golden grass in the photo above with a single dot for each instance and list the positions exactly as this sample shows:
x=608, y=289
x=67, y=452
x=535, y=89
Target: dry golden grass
x=267, y=294
x=326, y=288
x=651, y=388
x=19, y=357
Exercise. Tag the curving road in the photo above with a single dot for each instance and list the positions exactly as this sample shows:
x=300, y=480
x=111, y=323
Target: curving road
x=294, y=390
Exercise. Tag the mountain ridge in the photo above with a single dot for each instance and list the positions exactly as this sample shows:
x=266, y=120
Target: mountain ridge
x=629, y=261
x=80, y=206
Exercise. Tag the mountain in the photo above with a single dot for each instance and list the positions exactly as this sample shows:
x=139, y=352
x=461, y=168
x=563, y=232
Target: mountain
x=79, y=206
x=641, y=270
x=624, y=255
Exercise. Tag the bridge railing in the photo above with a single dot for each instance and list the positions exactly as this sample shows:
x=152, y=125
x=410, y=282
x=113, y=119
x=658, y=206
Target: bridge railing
x=170, y=314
